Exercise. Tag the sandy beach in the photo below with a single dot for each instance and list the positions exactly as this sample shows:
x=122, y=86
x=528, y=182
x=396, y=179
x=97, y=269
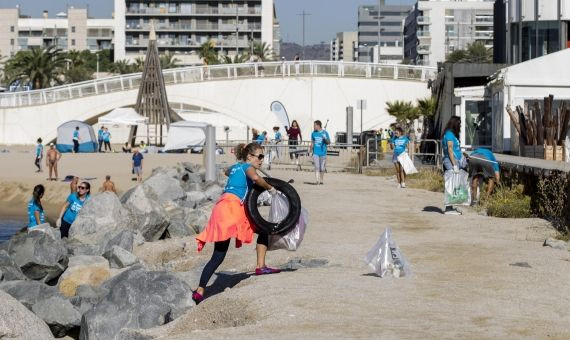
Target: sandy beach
x=473, y=276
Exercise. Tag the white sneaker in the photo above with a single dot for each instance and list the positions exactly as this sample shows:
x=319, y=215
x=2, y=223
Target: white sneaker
x=403, y=185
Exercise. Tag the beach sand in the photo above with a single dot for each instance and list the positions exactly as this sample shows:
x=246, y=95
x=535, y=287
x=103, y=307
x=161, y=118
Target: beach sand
x=473, y=276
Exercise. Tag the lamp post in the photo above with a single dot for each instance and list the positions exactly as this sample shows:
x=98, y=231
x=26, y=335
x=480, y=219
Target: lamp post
x=97, y=74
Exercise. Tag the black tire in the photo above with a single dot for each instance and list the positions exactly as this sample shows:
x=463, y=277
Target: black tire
x=259, y=223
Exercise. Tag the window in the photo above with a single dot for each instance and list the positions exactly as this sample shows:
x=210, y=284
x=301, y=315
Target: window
x=72, y=42
x=12, y=42
x=11, y=28
x=72, y=29
x=478, y=121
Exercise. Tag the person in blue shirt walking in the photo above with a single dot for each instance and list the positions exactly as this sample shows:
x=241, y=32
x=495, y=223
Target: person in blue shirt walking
x=277, y=139
x=319, y=141
x=35, y=209
x=107, y=139
x=400, y=144
x=261, y=138
x=483, y=166
x=76, y=140
x=39, y=155
x=71, y=208
x=138, y=164
x=100, y=137
x=452, y=156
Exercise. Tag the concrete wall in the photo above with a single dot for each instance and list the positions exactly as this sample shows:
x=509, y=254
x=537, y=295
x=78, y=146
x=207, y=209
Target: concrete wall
x=8, y=19
x=77, y=21
x=306, y=99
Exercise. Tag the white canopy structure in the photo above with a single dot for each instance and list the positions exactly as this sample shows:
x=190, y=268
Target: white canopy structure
x=123, y=116
x=185, y=135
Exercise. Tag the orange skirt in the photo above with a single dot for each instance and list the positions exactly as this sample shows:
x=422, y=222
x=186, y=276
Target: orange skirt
x=228, y=220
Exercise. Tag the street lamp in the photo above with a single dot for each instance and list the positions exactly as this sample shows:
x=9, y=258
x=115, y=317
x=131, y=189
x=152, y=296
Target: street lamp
x=97, y=74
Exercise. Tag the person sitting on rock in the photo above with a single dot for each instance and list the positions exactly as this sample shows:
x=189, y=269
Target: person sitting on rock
x=229, y=219
x=71, y=208
x=36, y=214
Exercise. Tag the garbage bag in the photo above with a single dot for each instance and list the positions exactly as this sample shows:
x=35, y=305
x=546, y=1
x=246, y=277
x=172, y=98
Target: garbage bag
x=292, y=239
x=457, y=188
x=264, y=199
x=407, y=164
x=386, y=259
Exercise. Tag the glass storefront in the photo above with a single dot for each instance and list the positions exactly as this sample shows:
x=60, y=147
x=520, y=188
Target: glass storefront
x=478, y=123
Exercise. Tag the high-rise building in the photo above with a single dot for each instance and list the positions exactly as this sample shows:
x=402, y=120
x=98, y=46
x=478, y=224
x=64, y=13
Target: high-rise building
x=436, y=28
x=526, y=29
x=343, y=47
x=380, y=32
x=73, y=30
x=183, y=26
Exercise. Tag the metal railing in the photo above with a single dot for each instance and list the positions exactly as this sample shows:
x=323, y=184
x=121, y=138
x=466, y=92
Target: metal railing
x=374, y=151
x=195, y=74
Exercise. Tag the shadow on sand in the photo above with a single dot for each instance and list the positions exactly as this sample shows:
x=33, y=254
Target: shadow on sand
x=432, y=209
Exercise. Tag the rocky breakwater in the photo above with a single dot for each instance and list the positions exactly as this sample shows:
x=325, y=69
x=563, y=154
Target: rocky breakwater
x=116, y=272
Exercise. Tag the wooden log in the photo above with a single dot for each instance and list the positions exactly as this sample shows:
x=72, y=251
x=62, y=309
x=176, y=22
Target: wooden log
x=539, y=125
x=533, y=132
x=547, y=120
x=514, y=119
x=565, y=123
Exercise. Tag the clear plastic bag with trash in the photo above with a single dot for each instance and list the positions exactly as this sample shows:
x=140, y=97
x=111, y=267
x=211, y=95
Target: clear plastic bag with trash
x=291, y=240
x=457, y=189
x=386, y=258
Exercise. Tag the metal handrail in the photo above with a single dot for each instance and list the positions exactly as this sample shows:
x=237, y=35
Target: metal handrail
x=193, y=74
x=436, y=154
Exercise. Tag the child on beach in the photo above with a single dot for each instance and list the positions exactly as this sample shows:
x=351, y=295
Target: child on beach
x=229, y=220
x=71, y=208
x=35, y=210
x=399, y=144
x=39, y=155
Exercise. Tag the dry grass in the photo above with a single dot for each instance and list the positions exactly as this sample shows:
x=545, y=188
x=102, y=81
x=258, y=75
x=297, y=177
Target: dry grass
x=427, y=179
x=384, y=172
x=508, y=202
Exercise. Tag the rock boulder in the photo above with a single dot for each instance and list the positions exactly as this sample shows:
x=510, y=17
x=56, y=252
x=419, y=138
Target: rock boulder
x=83, y=270
x=17, y=322
x=60, y=315
x=9, y=270
x=149, y=216
x=137, y=299
x=120, y=258
x=165, y=187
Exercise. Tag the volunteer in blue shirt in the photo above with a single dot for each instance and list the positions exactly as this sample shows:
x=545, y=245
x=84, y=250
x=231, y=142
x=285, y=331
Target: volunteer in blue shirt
x=71, y=208
x=138, y=164
x=39, y=155
x=107, y=139
x=277, y=139
x=452, y=156
x=100, y=137
x=35, y=209
x=76, y=139
x=483, y=166
x=400, y=145
x=261, y=138
x=319, y=141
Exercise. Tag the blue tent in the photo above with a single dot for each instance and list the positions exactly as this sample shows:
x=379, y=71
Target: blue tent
x=87, y=137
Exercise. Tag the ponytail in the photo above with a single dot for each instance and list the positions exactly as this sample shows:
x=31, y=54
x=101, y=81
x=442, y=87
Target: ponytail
x=37, y=194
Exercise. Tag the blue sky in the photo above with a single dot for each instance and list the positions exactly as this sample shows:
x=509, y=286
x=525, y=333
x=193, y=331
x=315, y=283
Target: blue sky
x=327, y=16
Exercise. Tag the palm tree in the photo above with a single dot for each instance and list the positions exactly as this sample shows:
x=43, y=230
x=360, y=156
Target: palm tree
x=40, y=67
x=404, y=111
x=208, y=53
x=168, y=60
x=139, y=64
x=76, y=69
x=238, y=59
x=427, y=107
x=262, y=51
x=122, y=67
x=475, y=52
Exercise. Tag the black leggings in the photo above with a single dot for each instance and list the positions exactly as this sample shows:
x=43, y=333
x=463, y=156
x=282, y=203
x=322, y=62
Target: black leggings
x=75, y=146
x=108, y=146
x=292, y=148
x=38, y=162
x=220, y=251
x=64, y=229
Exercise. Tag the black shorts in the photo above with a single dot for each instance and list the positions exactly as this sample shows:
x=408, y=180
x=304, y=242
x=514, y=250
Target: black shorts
x=481, y=167
x=64, y=229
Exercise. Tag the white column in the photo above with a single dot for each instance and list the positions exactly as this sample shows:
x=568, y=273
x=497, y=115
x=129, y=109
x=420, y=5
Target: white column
x=119, y=35
x=267, y=22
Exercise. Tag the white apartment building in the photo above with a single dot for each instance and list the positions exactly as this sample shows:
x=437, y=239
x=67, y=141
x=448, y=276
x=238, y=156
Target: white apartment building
x=183, y=26
x=73, y=30
x=436, y=28
x=344, y=46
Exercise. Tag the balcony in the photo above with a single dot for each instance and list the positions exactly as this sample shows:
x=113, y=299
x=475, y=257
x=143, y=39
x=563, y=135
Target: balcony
x=423, y=20
x=193, y=11
x=423, y=49
x=423, y=34
x=484, y=20
x=484, y=34
x=197, y=27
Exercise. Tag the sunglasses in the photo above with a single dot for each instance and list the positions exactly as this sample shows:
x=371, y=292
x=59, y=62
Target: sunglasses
x=260, y=156
x=82, y=188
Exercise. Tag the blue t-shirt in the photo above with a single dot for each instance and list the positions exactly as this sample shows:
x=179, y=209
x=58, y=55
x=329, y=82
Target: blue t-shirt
x=106, y=136
x=100, y=134
x=137, y=159
x=319, y=146
x=32, y=208
x=449, y=136
x=39, y=150
x=75, y=205
x=260, y=139
x=76, y=135
x=238, y=182
x=487, y=154
x=278, y=136
x=400, y=145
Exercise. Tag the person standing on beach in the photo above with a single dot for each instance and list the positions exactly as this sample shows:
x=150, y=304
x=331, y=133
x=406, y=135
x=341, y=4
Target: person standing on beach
x=108, y=185
x=76, y=140
x=52, y=158
x=71, y=208
x=100, y=137
x=319, y=141
x=229, y=218
x=294, y=136
x=399, y=144
x=137, y=164
x=39, y=155
x=453, y=159
x=107, y=139
x=35, y=210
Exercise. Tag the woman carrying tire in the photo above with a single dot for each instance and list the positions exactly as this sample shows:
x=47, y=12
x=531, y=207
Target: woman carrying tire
x=452, y=156
x=229, y=218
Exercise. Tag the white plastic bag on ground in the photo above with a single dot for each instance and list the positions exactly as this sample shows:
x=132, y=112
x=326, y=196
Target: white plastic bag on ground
x=292, y=239
x=386, y=259
x=457, y=188
x=407, y=164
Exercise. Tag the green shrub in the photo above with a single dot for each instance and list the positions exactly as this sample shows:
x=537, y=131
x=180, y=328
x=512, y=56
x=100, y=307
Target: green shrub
x=508, y=202
x=551, y=200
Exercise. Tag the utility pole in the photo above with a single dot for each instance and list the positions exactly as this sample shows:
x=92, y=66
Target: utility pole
x=303, y=15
